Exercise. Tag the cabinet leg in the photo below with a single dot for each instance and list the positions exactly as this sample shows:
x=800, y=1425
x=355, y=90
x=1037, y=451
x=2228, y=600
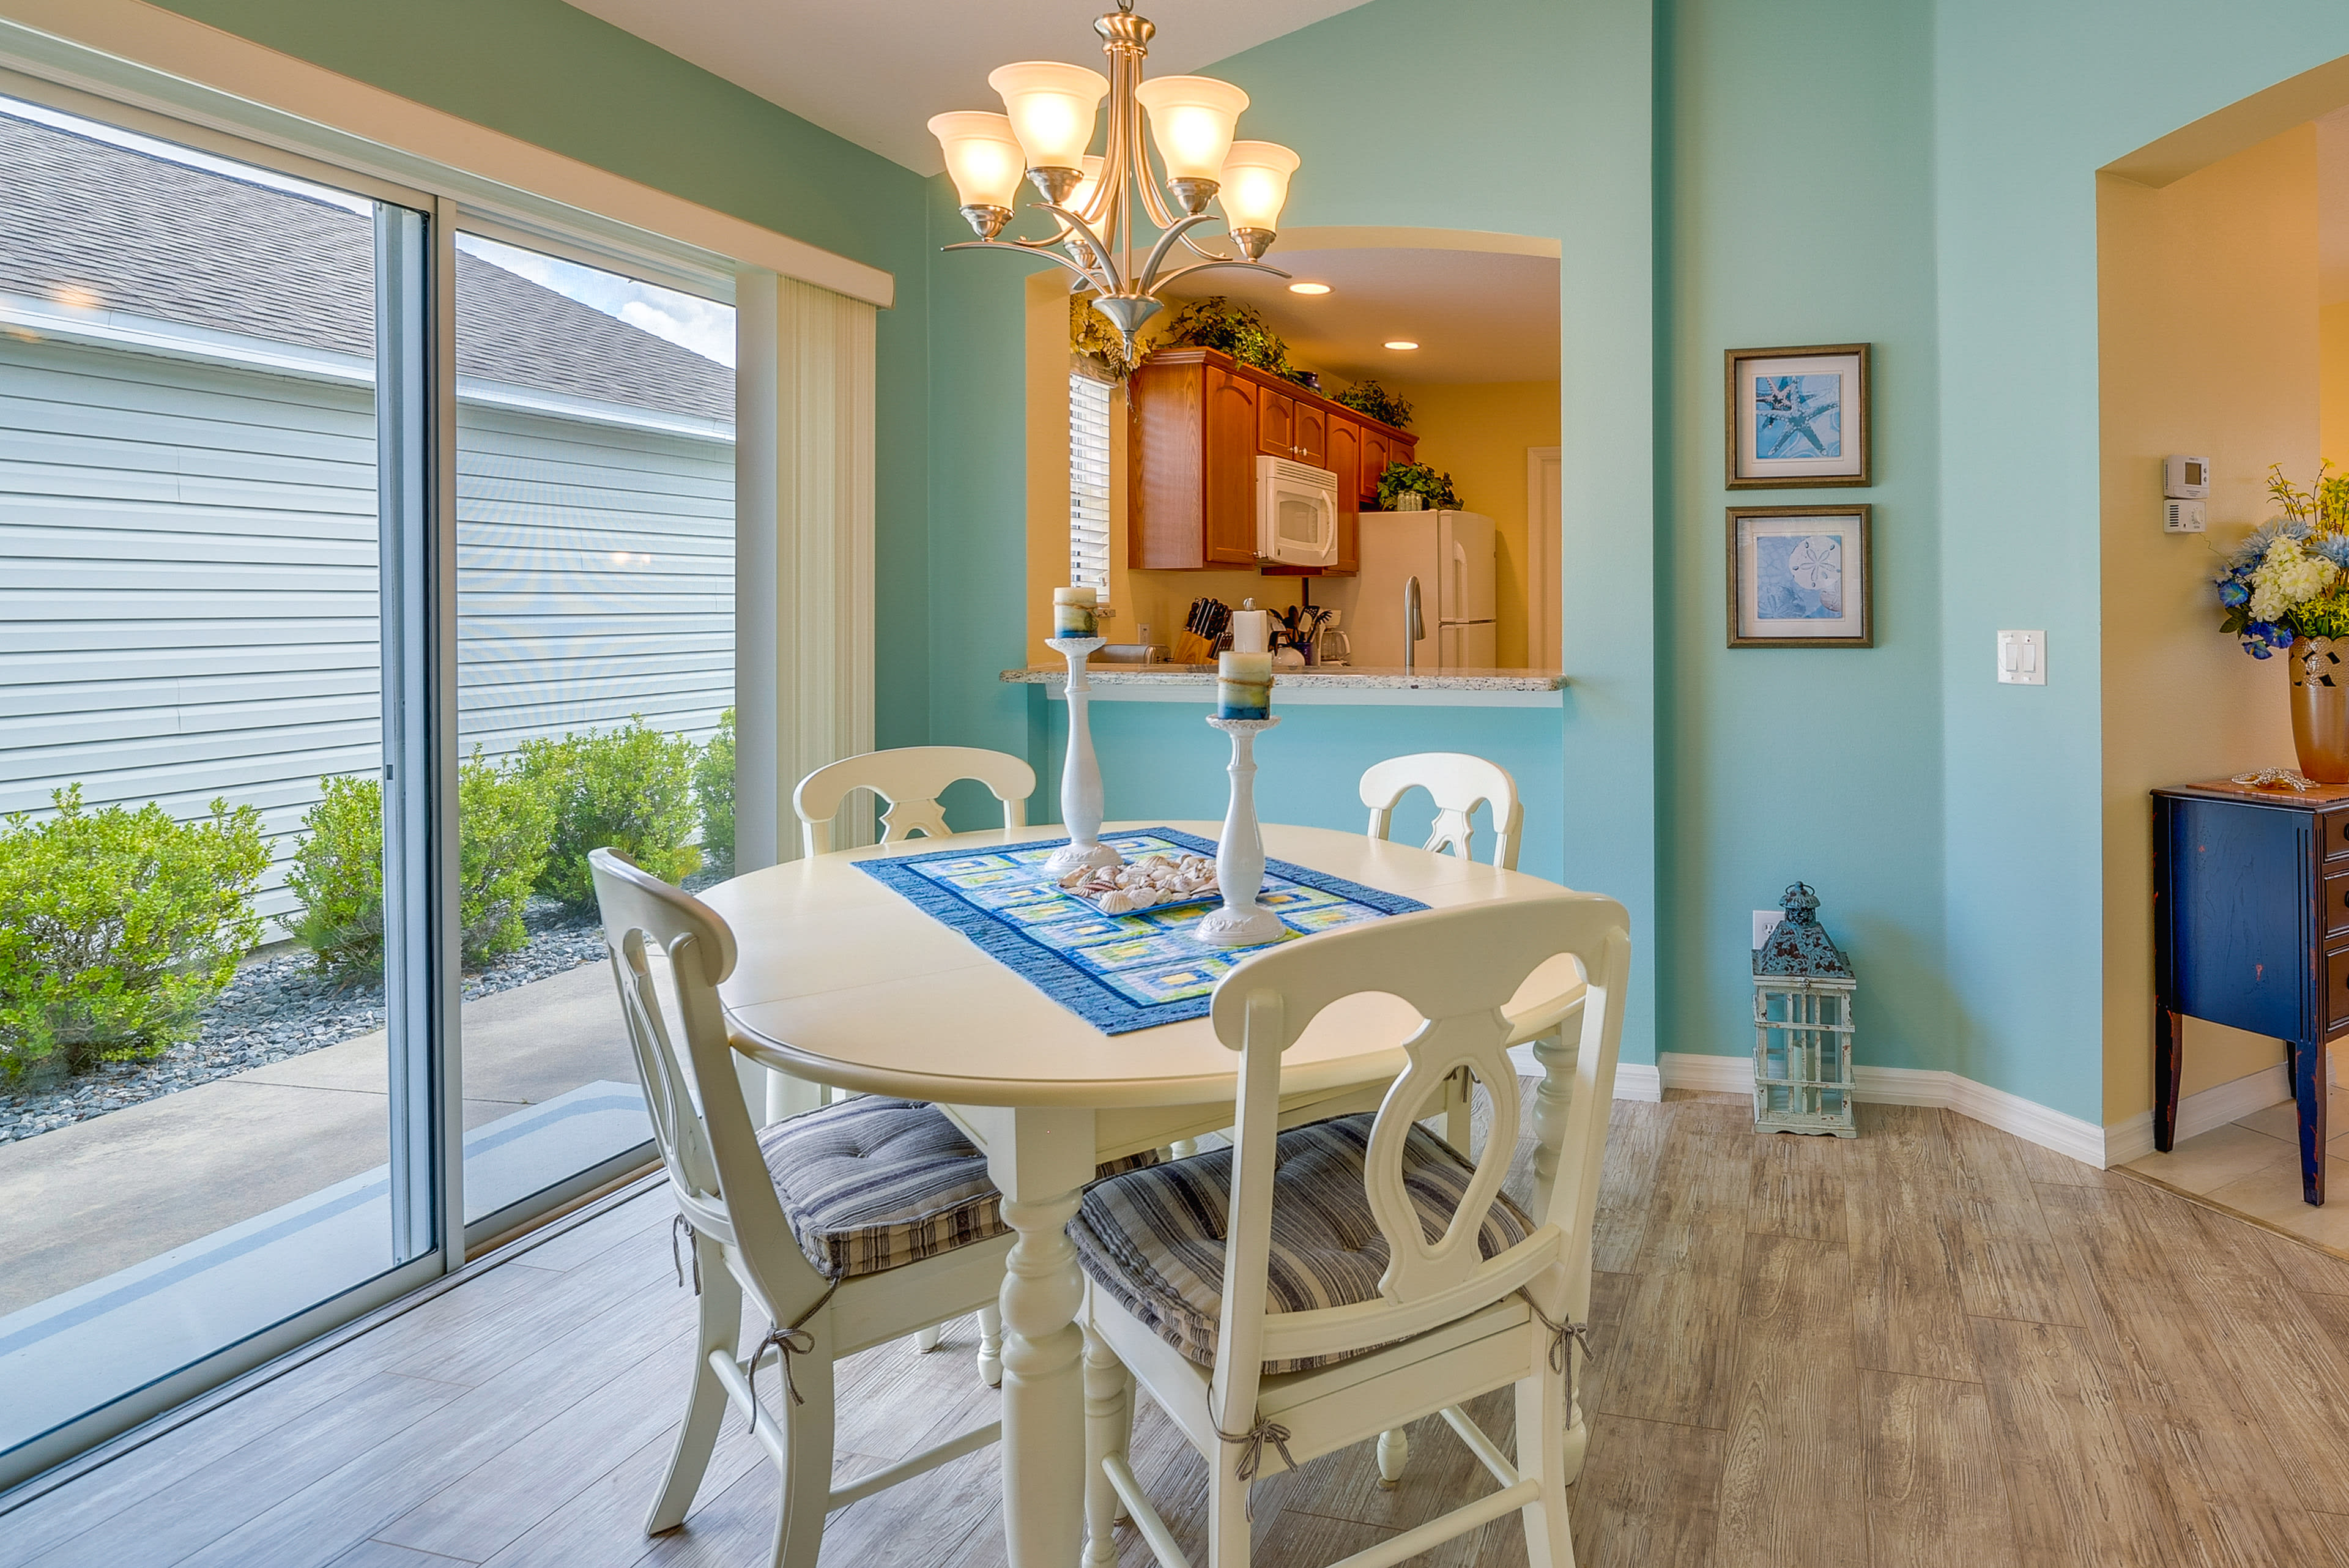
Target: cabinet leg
x=2308, y=1090
x=2165, y=1076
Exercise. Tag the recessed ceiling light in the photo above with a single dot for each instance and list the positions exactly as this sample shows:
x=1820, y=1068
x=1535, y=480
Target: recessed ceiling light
x=1309, y=288
x=1400, y=343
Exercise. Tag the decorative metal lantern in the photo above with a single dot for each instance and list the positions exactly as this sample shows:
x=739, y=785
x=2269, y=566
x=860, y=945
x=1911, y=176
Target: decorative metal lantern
x=1803, y=988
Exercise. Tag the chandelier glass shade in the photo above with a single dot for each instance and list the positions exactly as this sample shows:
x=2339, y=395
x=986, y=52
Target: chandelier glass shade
x=1052, y=111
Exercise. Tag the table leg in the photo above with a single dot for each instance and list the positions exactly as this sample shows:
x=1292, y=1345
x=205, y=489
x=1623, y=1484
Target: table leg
x=2308, y=1089
x=2165, y=1063
x=1040, y=1160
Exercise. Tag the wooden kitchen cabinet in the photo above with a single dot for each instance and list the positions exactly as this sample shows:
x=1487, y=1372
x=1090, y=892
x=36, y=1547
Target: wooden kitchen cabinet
x=1198, y=421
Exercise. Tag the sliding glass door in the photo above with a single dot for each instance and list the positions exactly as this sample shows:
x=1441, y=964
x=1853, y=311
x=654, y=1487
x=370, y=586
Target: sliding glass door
x=215, y=1080
x=595, y=684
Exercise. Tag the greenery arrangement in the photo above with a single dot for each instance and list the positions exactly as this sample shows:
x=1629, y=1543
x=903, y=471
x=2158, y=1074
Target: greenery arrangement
x=2290, y=577
x=119, y=927
x=630, y=788
x=1369, y=397
x=1417, y=477
x=1239, y=330
x=1090, y=335
x=503, y=828
x=713, y=791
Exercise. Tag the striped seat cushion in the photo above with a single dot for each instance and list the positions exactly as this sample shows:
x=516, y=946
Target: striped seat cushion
x=1153, y=1239
x=874, y=1183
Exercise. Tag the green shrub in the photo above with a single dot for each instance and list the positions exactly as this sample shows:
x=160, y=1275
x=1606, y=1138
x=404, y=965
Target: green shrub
x=119, y=927
x=1367, y=397
x=630, y=789
x=713, y=789
x=337, y=873
x=505, y=825
x=503, y=828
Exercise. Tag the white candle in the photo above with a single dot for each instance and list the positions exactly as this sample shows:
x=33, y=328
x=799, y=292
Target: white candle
x=1072, y=611
x=1251, y=631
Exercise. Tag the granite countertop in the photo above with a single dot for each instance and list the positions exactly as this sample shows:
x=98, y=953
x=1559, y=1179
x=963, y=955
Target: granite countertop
x=1340, y=678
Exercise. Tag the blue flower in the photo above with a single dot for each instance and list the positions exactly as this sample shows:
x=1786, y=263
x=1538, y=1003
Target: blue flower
x=2233, y=592
x=2334, y=547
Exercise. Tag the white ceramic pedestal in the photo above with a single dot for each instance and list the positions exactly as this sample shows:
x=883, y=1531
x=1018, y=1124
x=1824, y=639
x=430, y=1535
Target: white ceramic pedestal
x=1080, y=785
x=1239, y=855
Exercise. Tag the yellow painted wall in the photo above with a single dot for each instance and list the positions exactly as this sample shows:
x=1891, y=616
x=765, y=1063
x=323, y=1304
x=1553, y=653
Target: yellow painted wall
x=2208, y=317
x=2332, y=340
x=1478, y=434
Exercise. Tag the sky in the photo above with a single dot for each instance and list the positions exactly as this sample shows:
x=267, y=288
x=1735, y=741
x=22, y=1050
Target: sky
x=702, y=326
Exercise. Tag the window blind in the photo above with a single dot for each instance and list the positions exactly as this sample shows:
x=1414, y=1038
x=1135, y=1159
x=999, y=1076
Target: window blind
x=1089, y=482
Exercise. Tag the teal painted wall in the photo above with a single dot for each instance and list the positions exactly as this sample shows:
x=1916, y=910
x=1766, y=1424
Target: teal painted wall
x=2030, y=98
x=1822, y=765
x=1542, y=132
x=1160, y=761
x=557, y=77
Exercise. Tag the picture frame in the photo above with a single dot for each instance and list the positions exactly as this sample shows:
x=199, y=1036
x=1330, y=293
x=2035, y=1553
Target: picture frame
x=1798, y=418
x=1801, y=576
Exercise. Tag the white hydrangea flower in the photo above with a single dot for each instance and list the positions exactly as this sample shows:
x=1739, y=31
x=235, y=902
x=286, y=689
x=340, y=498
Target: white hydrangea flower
x=2287, y=577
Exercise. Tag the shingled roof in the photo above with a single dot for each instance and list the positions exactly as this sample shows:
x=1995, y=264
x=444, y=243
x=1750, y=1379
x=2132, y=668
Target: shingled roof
x=85, y=221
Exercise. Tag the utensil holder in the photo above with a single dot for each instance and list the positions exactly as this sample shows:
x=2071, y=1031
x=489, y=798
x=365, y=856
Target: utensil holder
x=1080, y=785
x=1239, y=854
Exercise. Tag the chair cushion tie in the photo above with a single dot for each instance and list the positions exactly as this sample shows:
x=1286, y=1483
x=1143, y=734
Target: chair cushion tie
x=787, y=1343
x=1563, y=1338
x=1252, y=1442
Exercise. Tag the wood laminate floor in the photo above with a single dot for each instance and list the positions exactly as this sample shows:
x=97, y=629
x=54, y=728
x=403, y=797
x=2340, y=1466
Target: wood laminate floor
x=1935, y=1344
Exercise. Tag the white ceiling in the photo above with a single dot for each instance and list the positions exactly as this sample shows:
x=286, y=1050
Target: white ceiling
x=876, y=73
x=1476, y=316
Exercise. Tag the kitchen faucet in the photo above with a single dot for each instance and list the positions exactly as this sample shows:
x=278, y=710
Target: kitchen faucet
x=1415, y=630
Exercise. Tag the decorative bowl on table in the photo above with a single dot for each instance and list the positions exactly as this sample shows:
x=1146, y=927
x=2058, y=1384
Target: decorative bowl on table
x=1152, y=882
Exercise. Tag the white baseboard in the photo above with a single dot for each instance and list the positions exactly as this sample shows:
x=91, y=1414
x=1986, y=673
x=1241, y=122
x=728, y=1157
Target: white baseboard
x=2026, y=1119
x=2198, y=1113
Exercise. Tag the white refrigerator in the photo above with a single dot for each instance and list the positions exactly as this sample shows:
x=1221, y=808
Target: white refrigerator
x=1452, y=555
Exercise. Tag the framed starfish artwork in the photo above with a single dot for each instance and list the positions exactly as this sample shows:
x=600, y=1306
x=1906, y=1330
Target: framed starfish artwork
x=1797, y=416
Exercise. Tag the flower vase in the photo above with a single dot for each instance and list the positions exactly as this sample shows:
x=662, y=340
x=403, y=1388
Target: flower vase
x=2319, y=707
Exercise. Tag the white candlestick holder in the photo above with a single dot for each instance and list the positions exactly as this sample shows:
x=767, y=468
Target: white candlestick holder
x=1239, y=855
x=1080, y=785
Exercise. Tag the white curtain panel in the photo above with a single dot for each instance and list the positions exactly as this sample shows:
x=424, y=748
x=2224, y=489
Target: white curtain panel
x=803, y=571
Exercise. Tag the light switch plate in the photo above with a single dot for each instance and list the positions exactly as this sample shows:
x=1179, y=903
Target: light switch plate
x=1764, y=922
x=2022, y=659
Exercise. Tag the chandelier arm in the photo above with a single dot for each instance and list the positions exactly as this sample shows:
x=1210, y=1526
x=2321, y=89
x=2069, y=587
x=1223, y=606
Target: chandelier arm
x=1149, y=275
x=1173, y=277
x=1102, y=261
x=1027, y=249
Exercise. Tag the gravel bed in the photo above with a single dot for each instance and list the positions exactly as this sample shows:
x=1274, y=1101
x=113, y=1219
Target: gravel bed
x=281, y=1007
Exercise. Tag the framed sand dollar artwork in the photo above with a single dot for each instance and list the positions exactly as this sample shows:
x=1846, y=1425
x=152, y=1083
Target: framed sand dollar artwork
x=1799, y=417
x=1800, y=577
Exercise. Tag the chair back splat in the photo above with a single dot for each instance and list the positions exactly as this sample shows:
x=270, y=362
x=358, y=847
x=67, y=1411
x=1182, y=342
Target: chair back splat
x=909, y=779
x=1457, y=968
x=1460, y=784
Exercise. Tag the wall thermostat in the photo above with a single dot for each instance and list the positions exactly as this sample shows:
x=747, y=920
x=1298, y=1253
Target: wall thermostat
x=2185, y=516
x=2186, y=478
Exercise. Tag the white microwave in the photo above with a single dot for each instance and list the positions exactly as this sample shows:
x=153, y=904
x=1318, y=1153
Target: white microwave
x=1296, y=513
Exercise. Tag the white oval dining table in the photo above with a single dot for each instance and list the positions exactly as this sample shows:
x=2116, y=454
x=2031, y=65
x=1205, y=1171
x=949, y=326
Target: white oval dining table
x=841, y=981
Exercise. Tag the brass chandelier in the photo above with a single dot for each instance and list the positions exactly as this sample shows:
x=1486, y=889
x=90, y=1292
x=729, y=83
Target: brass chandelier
x=1051, y=114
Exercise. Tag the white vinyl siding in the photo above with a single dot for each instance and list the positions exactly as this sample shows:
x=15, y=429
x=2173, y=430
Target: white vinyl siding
x=188, y=562
x=1089, y=482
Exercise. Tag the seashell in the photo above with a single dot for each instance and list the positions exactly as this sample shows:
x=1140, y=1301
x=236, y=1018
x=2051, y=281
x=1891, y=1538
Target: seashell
x=1115, y=903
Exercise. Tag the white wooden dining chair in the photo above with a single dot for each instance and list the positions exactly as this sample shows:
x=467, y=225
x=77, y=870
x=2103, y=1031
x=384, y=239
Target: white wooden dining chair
x=1459, y=784
x=909, y=779
x=848, y=1226
x=1305, y=1290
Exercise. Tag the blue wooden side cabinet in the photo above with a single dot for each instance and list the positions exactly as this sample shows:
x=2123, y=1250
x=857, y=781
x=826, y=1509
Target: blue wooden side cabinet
x=2251, y=890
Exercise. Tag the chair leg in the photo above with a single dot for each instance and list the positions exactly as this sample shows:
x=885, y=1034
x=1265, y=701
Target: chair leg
x=807, y=1467
x=927, y=1340
x=1227, y=1501
x=1542, y=1418
x=990, y=1346
x=1395, y=1452
x=705, y=1406
x=1107, y=1405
